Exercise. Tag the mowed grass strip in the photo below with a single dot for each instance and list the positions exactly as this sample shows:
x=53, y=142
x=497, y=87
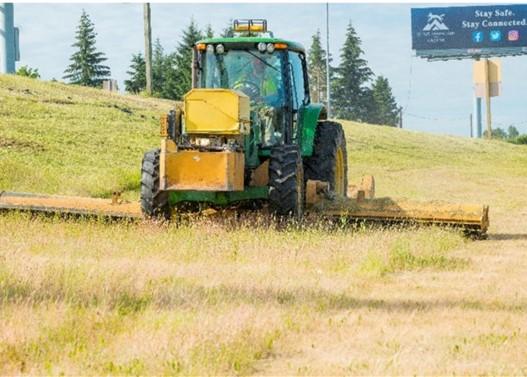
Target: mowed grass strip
x=63, y=139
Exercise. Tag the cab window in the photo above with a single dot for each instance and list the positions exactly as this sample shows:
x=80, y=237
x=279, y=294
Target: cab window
x=297, y=79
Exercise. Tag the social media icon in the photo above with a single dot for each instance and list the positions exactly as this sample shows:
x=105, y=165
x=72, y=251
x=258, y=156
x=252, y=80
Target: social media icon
x=495, y=36
x=514, y=35
x=477, y=36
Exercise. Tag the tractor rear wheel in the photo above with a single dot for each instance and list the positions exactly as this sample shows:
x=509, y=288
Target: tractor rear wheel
x=154, y=203
x=329, y=161
x=286, y=181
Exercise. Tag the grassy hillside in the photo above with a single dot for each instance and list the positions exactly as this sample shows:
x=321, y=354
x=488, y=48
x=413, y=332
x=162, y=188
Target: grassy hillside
x=425, y=166
x=72, y=140
x=229, y=297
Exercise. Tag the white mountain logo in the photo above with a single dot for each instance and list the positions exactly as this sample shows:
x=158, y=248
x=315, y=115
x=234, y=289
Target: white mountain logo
x=435, y=22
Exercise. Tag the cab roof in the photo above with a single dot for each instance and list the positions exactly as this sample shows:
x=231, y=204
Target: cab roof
x=254, y=39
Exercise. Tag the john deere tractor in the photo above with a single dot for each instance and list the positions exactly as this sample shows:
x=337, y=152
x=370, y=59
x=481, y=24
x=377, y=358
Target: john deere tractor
x=247, y=131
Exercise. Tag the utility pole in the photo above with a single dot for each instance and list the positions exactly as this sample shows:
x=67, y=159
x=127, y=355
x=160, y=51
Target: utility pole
x=8, y=39
x=471, y=126
x=479, y=117
x=328, y=85
x=148, y=48
x=488, y=117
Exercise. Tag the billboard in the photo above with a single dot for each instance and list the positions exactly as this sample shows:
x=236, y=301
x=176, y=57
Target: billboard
x=472, y=31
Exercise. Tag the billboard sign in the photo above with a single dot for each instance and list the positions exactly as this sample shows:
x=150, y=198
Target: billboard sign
x=472, y=31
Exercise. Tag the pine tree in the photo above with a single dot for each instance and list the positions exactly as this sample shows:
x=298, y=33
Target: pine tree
x=228, y=32
x=512, y=132
x=86, y=68
x=159, y=68
x=179, y=74
x=384, y=109
x=209, y=33
x=317, y=70
x=137, y=81
x=349, y=91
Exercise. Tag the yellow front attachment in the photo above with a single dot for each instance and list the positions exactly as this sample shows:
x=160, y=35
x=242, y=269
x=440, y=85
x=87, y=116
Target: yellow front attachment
x=204, y=171
x=217, y=112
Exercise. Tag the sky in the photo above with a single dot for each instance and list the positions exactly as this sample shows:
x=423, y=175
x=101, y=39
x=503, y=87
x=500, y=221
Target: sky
x=436, y=97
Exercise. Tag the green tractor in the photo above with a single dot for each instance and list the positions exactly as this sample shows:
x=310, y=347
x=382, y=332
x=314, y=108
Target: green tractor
x=247, y=131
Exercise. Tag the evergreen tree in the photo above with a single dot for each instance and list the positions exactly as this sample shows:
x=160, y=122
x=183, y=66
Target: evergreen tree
x=137, y=81
x=179, y=77
x=349, y=91
x=317, y=70
x=512, y=132
x=384, y=109
x=228, y=32
x=209, y=33
x=159, y=68
x=86, y=68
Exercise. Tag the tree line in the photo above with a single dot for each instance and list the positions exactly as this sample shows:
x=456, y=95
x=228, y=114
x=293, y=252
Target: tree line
x=511, y=135
x=355, y=94
x=352, y=98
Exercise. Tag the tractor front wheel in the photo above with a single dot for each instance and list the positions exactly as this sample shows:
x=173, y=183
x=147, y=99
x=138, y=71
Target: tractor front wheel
x=154, y=203
x=286, y=181
x=329, y=161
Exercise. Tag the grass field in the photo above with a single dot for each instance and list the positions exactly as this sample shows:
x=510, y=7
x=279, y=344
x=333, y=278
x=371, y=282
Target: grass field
x=213, y=297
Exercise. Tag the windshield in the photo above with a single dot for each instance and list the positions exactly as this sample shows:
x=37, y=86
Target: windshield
x=258, y=75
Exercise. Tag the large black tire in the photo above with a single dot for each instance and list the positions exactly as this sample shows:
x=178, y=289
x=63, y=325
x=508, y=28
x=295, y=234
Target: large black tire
x=329, y=161
x=286, y=182
x=154, y=203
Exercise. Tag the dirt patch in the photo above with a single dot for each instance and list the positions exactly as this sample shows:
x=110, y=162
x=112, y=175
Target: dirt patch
x=59, y=101
x=33, y=146
x=124, y=109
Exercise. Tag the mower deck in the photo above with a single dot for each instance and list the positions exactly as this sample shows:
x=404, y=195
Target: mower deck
x=474, y=219
x=69, y=205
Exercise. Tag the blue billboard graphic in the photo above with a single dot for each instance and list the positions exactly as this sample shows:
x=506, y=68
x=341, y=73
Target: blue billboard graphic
x=470, y=31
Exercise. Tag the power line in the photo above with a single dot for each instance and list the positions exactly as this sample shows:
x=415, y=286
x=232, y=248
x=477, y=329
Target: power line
x=409, y=92
x=438, y=119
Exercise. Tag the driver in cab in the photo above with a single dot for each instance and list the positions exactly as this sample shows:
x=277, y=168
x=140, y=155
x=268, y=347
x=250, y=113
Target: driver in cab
x=261, y=82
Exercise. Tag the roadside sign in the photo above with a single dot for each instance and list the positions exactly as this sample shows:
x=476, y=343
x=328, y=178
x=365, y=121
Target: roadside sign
x=482, y=73
x=472, y=31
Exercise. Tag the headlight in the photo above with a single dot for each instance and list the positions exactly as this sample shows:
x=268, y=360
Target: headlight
x=210, y=49
x=262, y=47
x=270, y=48
x=220, y=49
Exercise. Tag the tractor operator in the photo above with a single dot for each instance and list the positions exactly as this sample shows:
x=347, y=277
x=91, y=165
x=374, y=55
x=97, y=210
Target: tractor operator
x=262, y=83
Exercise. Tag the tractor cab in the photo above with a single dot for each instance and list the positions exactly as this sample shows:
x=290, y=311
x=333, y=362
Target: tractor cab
x=272, y=72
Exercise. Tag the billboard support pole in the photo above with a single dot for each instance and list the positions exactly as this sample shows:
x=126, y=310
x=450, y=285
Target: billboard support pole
x=471, y=126
x=7, y=39
x=479, y=122
x=487, y=100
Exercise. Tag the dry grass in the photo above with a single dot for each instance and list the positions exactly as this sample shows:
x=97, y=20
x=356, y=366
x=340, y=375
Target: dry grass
x=87, y=297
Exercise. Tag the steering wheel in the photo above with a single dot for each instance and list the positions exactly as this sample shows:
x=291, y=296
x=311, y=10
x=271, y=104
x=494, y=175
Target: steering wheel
x=249, y=88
